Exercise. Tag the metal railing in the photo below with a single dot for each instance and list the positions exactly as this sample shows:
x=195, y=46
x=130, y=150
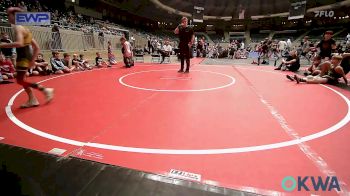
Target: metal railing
x=67, y=40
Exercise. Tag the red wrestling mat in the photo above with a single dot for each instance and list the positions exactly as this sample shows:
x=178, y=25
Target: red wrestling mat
x=242, y=127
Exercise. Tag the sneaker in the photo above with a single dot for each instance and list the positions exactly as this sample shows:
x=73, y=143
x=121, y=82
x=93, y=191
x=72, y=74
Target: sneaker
x=30, y=104
x=290, y=78
x=278, y=68
x=187, y=71
x=180, y=71
x=49, y=92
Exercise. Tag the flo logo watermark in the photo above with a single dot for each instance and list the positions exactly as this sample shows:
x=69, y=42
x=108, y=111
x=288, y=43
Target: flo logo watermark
x=324, y=13
x=312, y=183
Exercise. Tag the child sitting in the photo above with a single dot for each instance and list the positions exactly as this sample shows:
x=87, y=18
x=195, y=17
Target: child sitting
x=57, y=64
x=111, y=57
x=315, y=68
x=41, y=67
x=66, y=62
x=76, y=63
x=6, y=68
x=99, y=61
x=84, y=63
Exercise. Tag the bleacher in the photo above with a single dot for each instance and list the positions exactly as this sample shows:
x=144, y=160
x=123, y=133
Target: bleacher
x=257, y=37
x=288, y=34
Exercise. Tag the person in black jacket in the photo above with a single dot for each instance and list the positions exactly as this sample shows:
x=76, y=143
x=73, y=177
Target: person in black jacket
x=186, y=36
x=326, y=45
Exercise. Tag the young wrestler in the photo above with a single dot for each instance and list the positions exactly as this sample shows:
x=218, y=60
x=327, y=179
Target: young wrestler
x=27, y=49
x=332, y=77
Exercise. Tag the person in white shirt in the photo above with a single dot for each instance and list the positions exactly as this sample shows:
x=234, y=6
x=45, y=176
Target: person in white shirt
x=282, y=46
x=166, y=50
x=348, y=39
x=132, y=40
x=242, y=45
x=127, y=52
x=289, y=45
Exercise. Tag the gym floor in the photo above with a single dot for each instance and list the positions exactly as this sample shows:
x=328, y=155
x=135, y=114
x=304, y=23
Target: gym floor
x=228, y=123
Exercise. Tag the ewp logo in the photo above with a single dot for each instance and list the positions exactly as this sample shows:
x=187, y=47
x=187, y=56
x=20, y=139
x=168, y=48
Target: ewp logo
x=33, y=18
x=317, y=183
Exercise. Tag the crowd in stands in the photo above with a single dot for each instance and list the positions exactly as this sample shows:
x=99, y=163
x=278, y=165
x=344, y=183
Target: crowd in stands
x=65, y=19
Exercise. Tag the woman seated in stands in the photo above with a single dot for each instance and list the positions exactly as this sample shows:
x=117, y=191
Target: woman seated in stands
x=57, y=64
x=292, y=62
x=335, y=72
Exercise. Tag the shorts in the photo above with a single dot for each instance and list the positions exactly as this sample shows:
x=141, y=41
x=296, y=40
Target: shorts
x=331, y=80
x=20, y=69
x=185, y=51
x=24, y=57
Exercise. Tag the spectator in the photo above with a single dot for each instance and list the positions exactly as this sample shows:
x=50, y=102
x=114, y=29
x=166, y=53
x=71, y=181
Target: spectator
x=101, y=38
x=242, y=45
x=292, y=62
x=127, y=52
x=9, y=53
x=57, y=64
x=99, y=61
x=56, y=37
x=132, y=41
x=41, y=67
x=326, y=45
x=111, y=57
x=315, y=68
x=289, y=45
x=345, y=63
x=305, y=47
x=7, y=70
x=22, y=6
x=84, y=63
x=76, y=63
x=66, y=62
x=282, y=46
x=166, y=51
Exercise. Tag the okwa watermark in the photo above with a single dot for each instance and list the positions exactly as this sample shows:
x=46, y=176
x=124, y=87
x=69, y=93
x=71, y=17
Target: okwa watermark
x=310, y=183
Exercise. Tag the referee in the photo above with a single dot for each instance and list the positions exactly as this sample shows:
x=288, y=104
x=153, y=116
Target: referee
x=186, y=36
